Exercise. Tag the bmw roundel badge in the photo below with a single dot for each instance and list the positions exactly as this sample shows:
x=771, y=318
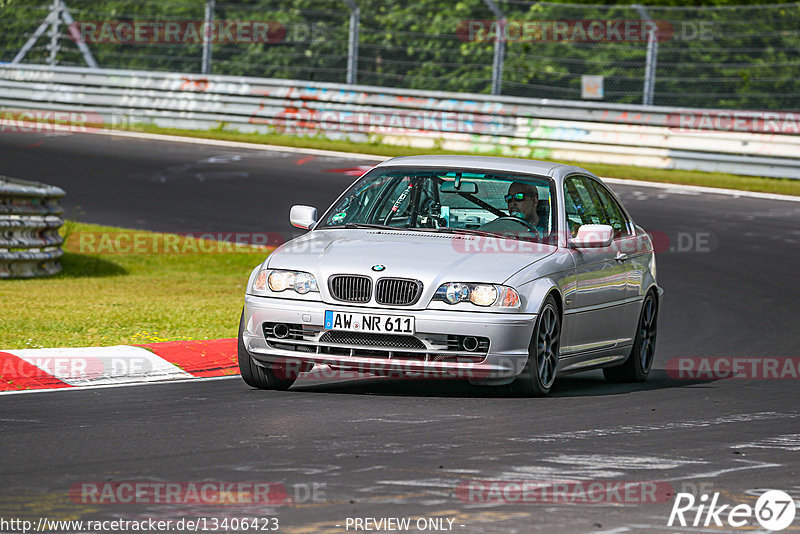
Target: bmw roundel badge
x=378, y=268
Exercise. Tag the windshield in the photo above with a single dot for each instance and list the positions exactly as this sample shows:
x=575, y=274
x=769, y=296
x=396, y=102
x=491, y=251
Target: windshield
x=514, y=206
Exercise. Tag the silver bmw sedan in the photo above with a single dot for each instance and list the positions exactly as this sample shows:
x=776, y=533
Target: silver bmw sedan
x=495, y=270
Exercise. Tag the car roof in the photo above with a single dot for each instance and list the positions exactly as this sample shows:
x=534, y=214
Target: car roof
x=530, y=166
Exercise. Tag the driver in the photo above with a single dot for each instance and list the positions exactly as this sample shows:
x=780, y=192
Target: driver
x=522, y=200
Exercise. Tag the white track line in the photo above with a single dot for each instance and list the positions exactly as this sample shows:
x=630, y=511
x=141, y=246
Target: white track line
x=239, y=144
x=702, y=189
x=373, y=157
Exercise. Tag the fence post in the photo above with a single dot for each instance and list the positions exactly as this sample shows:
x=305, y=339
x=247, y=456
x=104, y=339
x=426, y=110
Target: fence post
x=55, y=33
x=652, y=58
x=87, y=54
x=352, y=42
x=49, y=22
x=499, y=48
x=207, y=33
x=33, y=38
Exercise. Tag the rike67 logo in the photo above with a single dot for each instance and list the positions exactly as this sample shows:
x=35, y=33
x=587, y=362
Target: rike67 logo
x=774, y=510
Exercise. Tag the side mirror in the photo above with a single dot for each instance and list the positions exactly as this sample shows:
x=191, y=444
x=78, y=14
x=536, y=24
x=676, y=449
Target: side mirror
x=593, y=236
x=304, y=217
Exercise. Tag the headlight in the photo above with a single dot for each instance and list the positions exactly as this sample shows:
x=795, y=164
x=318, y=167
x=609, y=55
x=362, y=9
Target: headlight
x=479, y=294
x=279, y=281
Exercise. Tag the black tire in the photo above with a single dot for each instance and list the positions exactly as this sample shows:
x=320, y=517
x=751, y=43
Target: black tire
x=640, y=361
x=539, y=373
x=260, y=377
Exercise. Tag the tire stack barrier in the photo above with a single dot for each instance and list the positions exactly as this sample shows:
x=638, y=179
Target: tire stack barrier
x=30, y=217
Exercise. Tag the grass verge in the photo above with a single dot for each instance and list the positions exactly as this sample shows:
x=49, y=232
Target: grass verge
x=783, y=186
x=113, y=291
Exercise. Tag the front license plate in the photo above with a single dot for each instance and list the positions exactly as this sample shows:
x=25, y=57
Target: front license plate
x=366, y=322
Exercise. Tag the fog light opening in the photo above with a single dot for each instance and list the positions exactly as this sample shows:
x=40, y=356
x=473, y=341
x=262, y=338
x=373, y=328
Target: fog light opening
x=470, y=344
x=281, y=331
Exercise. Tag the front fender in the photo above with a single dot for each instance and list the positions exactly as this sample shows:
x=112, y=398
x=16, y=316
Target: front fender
x=536, y=292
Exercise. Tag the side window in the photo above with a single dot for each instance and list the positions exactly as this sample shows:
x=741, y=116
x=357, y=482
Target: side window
x=582, y=204
x=613, y=211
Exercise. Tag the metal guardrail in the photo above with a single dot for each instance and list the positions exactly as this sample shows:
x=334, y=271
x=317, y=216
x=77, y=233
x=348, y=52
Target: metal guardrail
x=30, y=217
x=549, y=129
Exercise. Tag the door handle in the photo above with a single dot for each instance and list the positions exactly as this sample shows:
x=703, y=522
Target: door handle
x=621, y=256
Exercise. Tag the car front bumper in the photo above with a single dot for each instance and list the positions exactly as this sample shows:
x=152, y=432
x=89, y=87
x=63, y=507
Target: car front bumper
x=509, y=335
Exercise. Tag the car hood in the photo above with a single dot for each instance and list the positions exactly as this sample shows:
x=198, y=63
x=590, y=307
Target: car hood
x=432, y=258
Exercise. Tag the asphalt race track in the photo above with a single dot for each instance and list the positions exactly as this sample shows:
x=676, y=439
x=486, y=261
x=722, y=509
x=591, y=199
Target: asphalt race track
x=400, y=448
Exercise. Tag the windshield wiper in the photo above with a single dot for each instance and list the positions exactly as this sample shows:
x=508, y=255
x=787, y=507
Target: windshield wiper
x=469, y=231
x=369, y=225
x=352, y=225
x=442, y=229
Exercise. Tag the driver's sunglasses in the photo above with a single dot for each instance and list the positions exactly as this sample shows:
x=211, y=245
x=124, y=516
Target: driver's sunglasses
x=518, y=196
